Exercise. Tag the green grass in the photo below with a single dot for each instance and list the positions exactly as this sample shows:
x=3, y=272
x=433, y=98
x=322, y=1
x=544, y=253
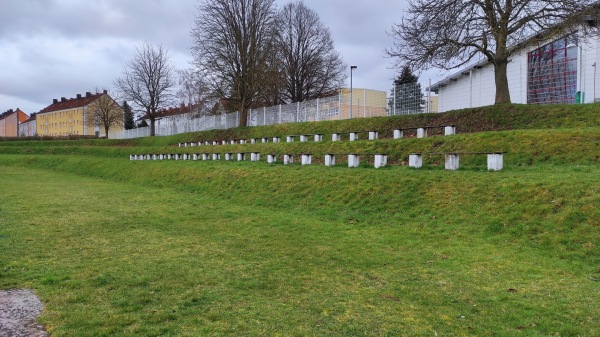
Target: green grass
x=275, y=252
x=180, y=248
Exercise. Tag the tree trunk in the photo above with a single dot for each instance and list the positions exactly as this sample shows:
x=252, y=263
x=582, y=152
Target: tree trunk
x=152, y=120
x=243, y=114
x=244, y=117
x=502, y=91
x=106, y=131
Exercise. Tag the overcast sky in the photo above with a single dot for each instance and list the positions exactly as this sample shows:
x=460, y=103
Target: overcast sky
x=59, y=48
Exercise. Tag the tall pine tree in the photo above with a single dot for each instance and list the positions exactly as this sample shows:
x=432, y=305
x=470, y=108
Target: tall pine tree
x=129, y=122
x=406, y=97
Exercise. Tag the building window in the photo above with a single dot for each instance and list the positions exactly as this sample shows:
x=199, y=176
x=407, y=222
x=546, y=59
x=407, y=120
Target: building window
x=552, y=73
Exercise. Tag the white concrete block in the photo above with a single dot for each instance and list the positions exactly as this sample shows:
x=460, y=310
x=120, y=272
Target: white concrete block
x=380, y=160
x=288, y=159
x=180, y=144
x=353, y=136
x=252, y=141
x=495, y=161
x=306, y=159
x=318, y=138
x=276, y=139
x=353, y=160
x=233, y=142
x=336, y=137
x=192, y=144
x=205, y=156
x=289, y=139
x=228, y=156
x=242, y=141
x=216, y=156
x=415, y=160
x=255, y=156
x=195, y=156
x=398, y=134
x=449, y=130
x=303, y=138
x=329, y=160
x=264, y=140
x=241, y=156
x=421, y=133
x=373, y=135
x=131, y=157
x=271, y=158
x=452, y=162
x=169, y=156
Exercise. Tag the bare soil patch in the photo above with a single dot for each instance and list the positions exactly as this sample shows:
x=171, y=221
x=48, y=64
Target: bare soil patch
x=19, y=309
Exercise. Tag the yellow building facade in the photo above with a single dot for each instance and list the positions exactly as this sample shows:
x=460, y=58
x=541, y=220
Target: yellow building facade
x=362, y=103
x=67, y=117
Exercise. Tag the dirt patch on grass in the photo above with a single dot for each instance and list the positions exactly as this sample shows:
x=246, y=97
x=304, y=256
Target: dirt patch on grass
x=19, y=310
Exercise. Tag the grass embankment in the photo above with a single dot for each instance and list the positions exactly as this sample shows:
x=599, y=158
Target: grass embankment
x=181, y=248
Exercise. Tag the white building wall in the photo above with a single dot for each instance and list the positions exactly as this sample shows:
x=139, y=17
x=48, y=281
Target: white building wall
x=590, y=54
x=476, y=87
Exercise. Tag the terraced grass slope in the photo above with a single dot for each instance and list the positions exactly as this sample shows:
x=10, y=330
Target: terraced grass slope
x=182, y=248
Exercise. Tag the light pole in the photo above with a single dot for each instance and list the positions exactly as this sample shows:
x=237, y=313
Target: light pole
x=351, y=101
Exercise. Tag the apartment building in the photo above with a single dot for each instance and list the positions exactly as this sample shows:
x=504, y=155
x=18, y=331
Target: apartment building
x=9, y=122
x=28, y=128
x=68, y=117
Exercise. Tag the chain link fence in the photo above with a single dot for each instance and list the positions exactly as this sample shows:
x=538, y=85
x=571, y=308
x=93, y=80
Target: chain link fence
x=358, y=103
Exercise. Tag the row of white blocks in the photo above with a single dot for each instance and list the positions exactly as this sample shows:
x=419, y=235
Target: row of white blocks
x=421, y=133
x=495, y=161
x=233, y=142
x=304, y=138
x=306, y=159
x=373, y=135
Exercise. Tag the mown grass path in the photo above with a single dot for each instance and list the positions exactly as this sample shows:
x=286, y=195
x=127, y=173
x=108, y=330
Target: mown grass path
x=132, y=259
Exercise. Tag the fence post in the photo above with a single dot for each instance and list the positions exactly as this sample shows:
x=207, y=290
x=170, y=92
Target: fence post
x=340, y=102
x=298, y=113
x=394, y=107
x=318, y=111
x=364, y=103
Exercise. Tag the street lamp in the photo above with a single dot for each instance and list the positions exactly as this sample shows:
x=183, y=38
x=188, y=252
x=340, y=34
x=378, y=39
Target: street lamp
x=351, y=101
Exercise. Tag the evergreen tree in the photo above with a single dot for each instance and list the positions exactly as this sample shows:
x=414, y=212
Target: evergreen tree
x=406, y=94
x=129, y=122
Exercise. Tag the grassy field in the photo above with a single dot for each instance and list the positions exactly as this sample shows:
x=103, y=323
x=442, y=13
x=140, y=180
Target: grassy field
x=181, y=248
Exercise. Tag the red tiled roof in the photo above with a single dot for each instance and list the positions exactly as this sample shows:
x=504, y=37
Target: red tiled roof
x=31, y=118
x=71, y=103
x=175, y=111
x=21, y=115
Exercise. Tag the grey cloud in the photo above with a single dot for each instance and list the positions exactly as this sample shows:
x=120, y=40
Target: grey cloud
x=54, y=48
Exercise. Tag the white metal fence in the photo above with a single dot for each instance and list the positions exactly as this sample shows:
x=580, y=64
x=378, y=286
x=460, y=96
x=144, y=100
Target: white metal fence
x=364, y=104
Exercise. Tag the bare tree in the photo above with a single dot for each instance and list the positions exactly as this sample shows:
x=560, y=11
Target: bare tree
x=232, y=43
x=194, y=91
x=449, y=34
x=104, y=112
x=148, y=80
x=311, y=65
